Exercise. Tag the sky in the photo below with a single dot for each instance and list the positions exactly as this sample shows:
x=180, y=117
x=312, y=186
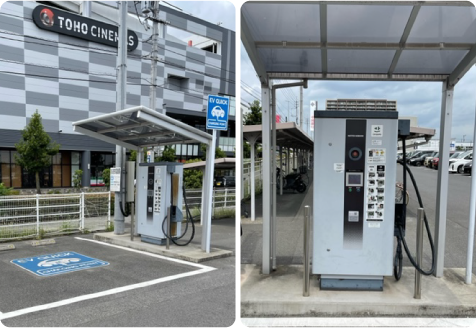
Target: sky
x=211, y=11
x=419, y=99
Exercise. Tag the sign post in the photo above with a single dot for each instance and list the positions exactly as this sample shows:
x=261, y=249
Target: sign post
x=115, y=179
x=217, y=119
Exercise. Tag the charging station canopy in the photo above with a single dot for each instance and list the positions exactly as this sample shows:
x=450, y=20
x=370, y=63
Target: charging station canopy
x=138, y=127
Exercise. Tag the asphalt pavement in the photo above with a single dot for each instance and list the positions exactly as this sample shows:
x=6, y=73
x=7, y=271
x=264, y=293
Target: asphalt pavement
x=135, y=289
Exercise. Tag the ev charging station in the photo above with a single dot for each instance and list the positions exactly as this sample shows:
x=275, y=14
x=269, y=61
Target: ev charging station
x=158, y=185
x=354, y=198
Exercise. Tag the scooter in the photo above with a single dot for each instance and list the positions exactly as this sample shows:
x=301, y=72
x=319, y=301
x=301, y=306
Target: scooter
x=291, y=181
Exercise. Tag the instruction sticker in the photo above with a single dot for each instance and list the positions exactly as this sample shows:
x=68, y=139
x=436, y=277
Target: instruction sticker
x=376, y=155
x=339, y=167
x=374, y=224
x=377, y=142
x=377, y=131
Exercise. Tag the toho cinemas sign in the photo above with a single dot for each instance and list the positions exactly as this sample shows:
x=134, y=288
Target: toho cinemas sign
x=63, y=22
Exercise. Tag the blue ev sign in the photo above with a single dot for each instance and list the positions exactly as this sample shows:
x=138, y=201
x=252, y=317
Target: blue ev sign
x=58, y=263
x=217, y=114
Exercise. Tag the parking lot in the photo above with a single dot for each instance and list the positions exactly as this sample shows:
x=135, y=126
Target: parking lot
x=457, y=217
x=134, y=288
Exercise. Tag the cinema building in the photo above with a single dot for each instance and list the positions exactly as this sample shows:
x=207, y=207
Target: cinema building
x=60, y=58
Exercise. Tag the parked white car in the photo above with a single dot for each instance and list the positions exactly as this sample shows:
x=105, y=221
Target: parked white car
x=458, y=166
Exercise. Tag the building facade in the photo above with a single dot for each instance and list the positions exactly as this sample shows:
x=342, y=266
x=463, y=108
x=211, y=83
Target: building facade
x=361, y=104
x=67, y=78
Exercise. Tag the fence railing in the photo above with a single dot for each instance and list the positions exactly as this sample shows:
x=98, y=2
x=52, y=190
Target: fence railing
x=222, y=199
x=30, y=216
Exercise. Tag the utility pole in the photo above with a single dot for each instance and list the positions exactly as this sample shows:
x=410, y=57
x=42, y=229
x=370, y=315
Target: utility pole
x=121, y=104
x=152, y=11
x=154, y=8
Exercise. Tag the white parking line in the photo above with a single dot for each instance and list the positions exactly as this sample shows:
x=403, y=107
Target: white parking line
x=203, y=269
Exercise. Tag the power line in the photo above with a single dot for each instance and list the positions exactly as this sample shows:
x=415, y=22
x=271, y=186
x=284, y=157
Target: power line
x=251, y=88
x=89, y=80
x=87, y=48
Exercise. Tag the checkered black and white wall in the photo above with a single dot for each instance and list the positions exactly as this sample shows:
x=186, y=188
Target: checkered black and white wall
x=68, y=79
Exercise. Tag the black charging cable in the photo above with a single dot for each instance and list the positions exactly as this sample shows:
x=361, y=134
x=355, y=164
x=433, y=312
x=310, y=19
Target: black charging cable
x=189, y=218
x=401, y=237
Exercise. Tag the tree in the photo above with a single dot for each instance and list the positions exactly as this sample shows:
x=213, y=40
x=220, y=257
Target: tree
x=193, y=178
x=35, y=148
x=133, y=155
x=254, y=116
x=246, y=150
x=218, y=152
x=168, y=155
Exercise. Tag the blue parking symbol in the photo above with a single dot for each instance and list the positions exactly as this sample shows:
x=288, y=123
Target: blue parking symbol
x=217, y=114
x=58, y=263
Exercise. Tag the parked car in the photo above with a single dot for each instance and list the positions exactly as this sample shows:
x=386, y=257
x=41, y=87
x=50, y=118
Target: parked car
x=229, y=181
x=219, y=181
x=428, y=159
x=224, y=181
x=419, y=157
x=458, y=155
x=458, y=165
x=467, y=167
x=435, y=161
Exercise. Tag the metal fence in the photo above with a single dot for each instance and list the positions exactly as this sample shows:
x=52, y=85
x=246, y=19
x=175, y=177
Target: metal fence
x=45, y=215
x=32, y=216
x=222, y=199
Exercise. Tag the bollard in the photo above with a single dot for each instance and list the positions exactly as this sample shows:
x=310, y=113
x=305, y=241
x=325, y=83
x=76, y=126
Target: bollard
x=307, y=224
x=132, y=221
x=419, y=252
x=167, y=245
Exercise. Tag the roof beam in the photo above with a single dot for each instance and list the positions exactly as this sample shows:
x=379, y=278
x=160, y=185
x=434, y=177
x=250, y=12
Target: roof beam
x=357, y=77
x=365, y=45
x=252, y=51
x=468, y=61
x=404, y=38
x=102, y=137
x=323, y=28
x=145, y=135
x=175, y=128
x=123, y=127
x=379, y=2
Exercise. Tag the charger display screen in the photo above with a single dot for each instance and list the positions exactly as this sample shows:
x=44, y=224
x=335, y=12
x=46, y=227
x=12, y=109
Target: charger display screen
x=354, y=179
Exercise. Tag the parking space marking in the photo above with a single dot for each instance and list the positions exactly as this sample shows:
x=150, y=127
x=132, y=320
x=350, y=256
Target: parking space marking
x=203, y=269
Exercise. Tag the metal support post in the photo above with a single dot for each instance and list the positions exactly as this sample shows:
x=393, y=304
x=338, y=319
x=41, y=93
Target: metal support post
x=419, y=252
x=273, y=179
x=167, y=243
x=132, y=221
x=119, y=223
x=281, y=170
x=266, y=117
x=307, y=235
x=300, y=106
x=442, y=182
x=252, y=181
x=38, y=215
x=472, y=214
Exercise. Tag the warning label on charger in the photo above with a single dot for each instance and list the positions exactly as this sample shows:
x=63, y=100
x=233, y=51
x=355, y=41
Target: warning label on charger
x=376, y=155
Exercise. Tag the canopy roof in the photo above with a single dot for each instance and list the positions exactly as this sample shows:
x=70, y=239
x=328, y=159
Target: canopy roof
x=360, y=40
x=288, y=135
x=138, y=127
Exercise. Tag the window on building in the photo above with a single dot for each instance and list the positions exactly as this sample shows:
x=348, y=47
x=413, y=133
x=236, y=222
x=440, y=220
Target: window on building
x=100, y=162
x=177, y=83
x=227, y=144
x=192, y=40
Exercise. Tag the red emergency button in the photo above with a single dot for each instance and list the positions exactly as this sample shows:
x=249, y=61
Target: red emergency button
x=355, y=153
